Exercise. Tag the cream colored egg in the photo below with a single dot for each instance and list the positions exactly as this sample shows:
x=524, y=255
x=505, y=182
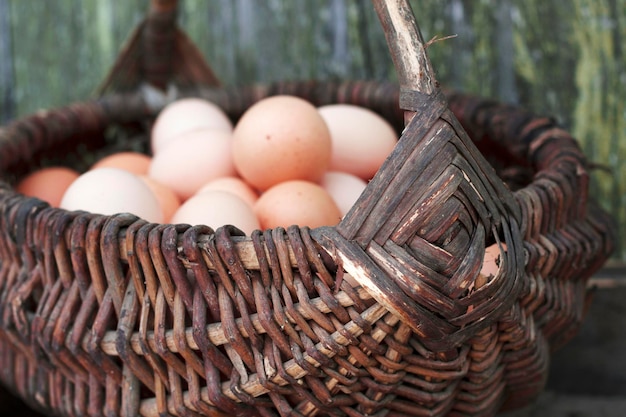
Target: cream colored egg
x=186, y=115
x=344, y=188
x=110, y=191
x=232, y=185
x=192, y=160
x=361, y=139
x=216, y=209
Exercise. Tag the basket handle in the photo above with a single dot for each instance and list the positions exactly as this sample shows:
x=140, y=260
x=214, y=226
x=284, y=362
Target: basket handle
x=157, y=56
x=163, y=6
x=408, y=50
x=407, y=46
x=159, y=38
x=406, y=223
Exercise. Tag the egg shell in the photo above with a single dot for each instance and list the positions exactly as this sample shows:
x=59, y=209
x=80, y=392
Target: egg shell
x=185, y=115
x=361, y=139
x=296, y=202
x=344, y=188
x=168, y=200
x=492, y=260
x=134, y=162
x=48, y=184
x=110, y=191
x=216, y=209
x=232, y=185
x=192, y=160
x=281, y=138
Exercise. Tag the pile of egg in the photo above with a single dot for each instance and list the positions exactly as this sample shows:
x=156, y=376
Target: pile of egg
x=284, y=162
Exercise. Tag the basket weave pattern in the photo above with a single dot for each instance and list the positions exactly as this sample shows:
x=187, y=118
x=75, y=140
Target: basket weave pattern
x=386, y=313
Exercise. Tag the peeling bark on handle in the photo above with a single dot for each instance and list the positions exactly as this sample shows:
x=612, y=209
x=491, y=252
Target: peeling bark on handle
x=407, y=46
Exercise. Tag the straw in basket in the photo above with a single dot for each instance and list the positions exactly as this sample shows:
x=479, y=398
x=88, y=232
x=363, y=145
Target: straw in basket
x=115, y=316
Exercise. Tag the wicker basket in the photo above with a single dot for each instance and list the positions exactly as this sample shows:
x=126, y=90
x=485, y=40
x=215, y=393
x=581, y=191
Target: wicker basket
x=114, y=316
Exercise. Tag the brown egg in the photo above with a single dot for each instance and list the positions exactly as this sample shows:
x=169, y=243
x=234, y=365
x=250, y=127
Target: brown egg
x=296, y=202
x=492, y=260
x=361, y=139
x=168, y=200
x=281, y=138
x=134, y=162
x=48, y=184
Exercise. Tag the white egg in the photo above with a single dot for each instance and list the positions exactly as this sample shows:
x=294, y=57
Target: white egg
x=216, y=209
x=110, y=191
x=361, y=139
x=193, y=159
x=344, y=188
x=186, y=115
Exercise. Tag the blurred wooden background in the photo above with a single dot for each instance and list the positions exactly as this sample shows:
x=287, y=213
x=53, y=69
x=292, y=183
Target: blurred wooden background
x=559, y=58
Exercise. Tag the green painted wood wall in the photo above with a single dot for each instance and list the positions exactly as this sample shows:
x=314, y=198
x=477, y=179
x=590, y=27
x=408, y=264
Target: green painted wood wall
x=560, y=58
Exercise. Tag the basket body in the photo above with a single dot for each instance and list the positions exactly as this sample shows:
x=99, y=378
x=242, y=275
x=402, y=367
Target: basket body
x=111, y=315
x=115, y=316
